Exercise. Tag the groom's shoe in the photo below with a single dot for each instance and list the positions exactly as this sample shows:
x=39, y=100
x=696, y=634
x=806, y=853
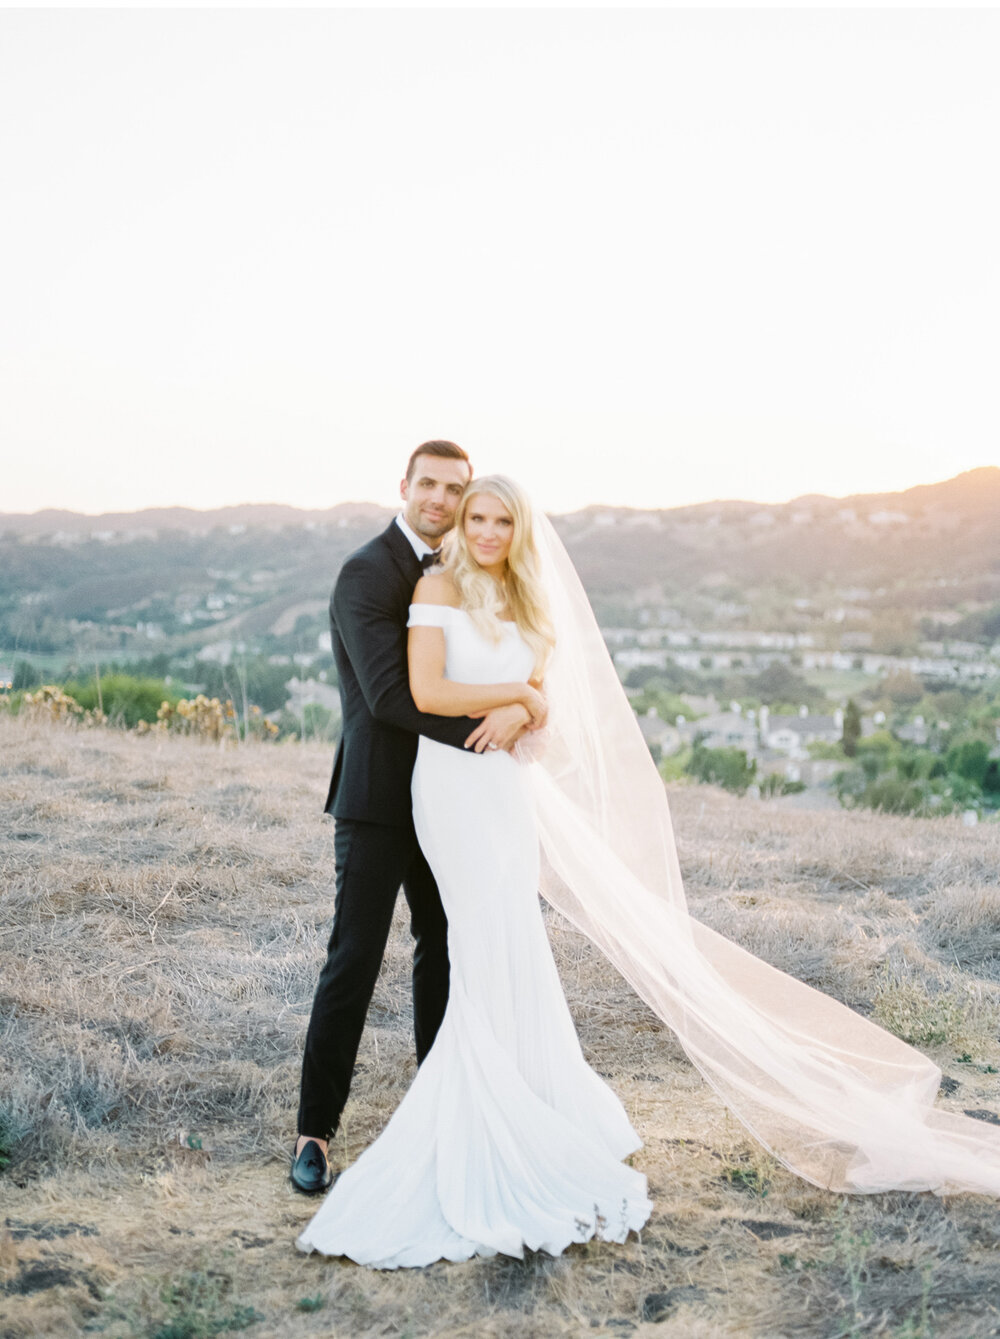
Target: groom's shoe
x=310, y=1170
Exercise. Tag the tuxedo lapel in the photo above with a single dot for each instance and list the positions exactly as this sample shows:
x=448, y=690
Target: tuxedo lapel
x=401, y=552
x=368, y=621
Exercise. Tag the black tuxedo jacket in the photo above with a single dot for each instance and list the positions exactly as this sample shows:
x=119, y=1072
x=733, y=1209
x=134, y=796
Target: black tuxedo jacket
x=369, y=607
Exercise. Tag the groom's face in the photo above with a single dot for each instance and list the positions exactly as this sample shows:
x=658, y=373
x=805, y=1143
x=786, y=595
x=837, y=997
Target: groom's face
x=432, y=494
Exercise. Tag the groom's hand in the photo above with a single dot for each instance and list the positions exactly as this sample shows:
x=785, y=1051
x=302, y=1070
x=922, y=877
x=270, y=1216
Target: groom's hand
x=500, y=728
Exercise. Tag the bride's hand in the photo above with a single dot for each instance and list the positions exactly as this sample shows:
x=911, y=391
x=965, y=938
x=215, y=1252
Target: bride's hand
x=500, y=727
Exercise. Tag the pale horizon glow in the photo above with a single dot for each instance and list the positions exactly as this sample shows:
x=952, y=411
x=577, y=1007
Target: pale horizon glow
x=388, y=501
x=632, y=257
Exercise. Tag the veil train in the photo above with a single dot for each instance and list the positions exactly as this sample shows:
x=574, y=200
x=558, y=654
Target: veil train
x=835, y=1098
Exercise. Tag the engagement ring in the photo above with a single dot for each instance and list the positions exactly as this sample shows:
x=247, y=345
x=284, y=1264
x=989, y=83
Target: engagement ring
x=491, y=746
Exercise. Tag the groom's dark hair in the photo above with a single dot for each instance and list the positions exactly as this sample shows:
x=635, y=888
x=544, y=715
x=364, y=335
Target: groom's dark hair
x=449, y=450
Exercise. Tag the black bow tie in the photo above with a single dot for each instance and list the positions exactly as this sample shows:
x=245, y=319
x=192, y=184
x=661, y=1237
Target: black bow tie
x=429, y=559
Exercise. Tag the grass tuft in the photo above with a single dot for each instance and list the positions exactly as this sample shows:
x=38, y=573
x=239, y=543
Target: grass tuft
x=314, y=1303
x=12, y=1131
x=198, y=1307
x=921, y=1019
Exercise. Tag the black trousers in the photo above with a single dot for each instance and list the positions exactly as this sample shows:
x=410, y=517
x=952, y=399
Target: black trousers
x=372, y=862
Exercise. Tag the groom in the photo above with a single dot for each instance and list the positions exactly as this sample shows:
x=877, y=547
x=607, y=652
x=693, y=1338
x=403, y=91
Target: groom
x=375, y=846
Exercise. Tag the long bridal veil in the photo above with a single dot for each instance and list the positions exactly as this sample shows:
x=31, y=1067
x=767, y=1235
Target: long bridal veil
x=838, y=1100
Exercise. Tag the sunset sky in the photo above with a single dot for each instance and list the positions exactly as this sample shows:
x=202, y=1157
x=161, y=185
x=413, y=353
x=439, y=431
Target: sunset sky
x=643, y=257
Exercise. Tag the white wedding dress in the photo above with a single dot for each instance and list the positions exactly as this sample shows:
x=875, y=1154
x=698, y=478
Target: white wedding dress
x=506, y=1139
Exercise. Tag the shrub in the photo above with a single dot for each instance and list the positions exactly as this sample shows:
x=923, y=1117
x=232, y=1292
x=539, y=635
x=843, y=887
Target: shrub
x=667, y=704
x=819, y=748
x=50, y=700
x=25, y=676
x=778, y=683
x=124, y=700
x=970, y=758
x=776, y=784
x=209, y=718
x=673, y=767
x=896, y=795
x=726, y=767
x=199, y=1306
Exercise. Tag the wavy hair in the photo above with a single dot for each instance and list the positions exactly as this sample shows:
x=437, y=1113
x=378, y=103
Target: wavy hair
x=523, y=595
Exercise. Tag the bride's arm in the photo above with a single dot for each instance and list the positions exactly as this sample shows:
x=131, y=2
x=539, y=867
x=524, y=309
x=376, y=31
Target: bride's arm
x=434, y=693
x=427, y=655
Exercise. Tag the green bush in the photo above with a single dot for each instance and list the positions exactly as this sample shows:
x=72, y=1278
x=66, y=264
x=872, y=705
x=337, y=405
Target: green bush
x=819, y=748
x=125, y=700
x=199, y=1306
x=926, y=793
x=776, y=784
x=879, y=745
x=25, y=676
x=969, y=758
x=726, y=767
x=667, y=704
x=896, y=795
x=675, y=765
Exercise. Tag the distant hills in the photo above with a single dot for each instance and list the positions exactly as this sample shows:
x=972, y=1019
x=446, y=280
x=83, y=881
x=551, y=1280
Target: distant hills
x=973, y=491
x=55, y=522
x=947, y=531
x=174, y=579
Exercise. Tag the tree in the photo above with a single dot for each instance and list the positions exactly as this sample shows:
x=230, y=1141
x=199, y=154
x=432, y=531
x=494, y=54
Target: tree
x=728, y=767
x=667, y=705
x=852, y=729
x=970, y=758
x=777, y=683
x=25, y=676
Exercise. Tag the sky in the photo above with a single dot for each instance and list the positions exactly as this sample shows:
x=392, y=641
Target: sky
x=634, y=257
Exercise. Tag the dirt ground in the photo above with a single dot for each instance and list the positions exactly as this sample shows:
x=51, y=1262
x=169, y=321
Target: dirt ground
x=164, y=909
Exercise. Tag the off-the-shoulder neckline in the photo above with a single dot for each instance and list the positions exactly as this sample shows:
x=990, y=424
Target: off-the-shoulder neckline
x=427, y=604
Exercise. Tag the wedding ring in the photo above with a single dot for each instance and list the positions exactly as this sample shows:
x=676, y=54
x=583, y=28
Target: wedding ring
x=491, y=746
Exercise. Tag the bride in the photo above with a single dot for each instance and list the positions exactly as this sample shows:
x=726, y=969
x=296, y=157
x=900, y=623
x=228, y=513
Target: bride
x=506, y=1138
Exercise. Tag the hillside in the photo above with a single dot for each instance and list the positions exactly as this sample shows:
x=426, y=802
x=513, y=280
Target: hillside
x=172, y=580
x=938, y=533
x=165, y=907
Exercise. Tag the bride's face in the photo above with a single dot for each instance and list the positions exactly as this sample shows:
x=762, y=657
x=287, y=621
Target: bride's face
x=489, y=531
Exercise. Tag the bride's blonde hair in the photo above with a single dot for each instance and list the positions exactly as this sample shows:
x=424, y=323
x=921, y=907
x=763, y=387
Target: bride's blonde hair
x=522, y=596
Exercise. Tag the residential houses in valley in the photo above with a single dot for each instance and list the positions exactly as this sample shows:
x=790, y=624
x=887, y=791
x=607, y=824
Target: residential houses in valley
x=778, y=743
x=957, y=662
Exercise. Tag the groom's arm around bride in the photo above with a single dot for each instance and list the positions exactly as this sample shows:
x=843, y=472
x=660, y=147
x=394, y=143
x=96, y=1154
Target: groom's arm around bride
x=375, y=847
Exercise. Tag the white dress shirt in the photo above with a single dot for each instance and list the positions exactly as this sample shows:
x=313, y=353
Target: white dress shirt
x=416, y=543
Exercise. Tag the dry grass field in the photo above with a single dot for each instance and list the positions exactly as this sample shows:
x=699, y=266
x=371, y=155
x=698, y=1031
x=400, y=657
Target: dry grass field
x=165, y=907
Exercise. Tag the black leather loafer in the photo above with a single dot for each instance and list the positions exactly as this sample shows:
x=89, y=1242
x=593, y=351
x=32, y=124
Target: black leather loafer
x=310, y=1170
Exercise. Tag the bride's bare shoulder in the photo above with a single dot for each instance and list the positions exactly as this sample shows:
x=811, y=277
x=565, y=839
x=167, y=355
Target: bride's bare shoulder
x=436, y=588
